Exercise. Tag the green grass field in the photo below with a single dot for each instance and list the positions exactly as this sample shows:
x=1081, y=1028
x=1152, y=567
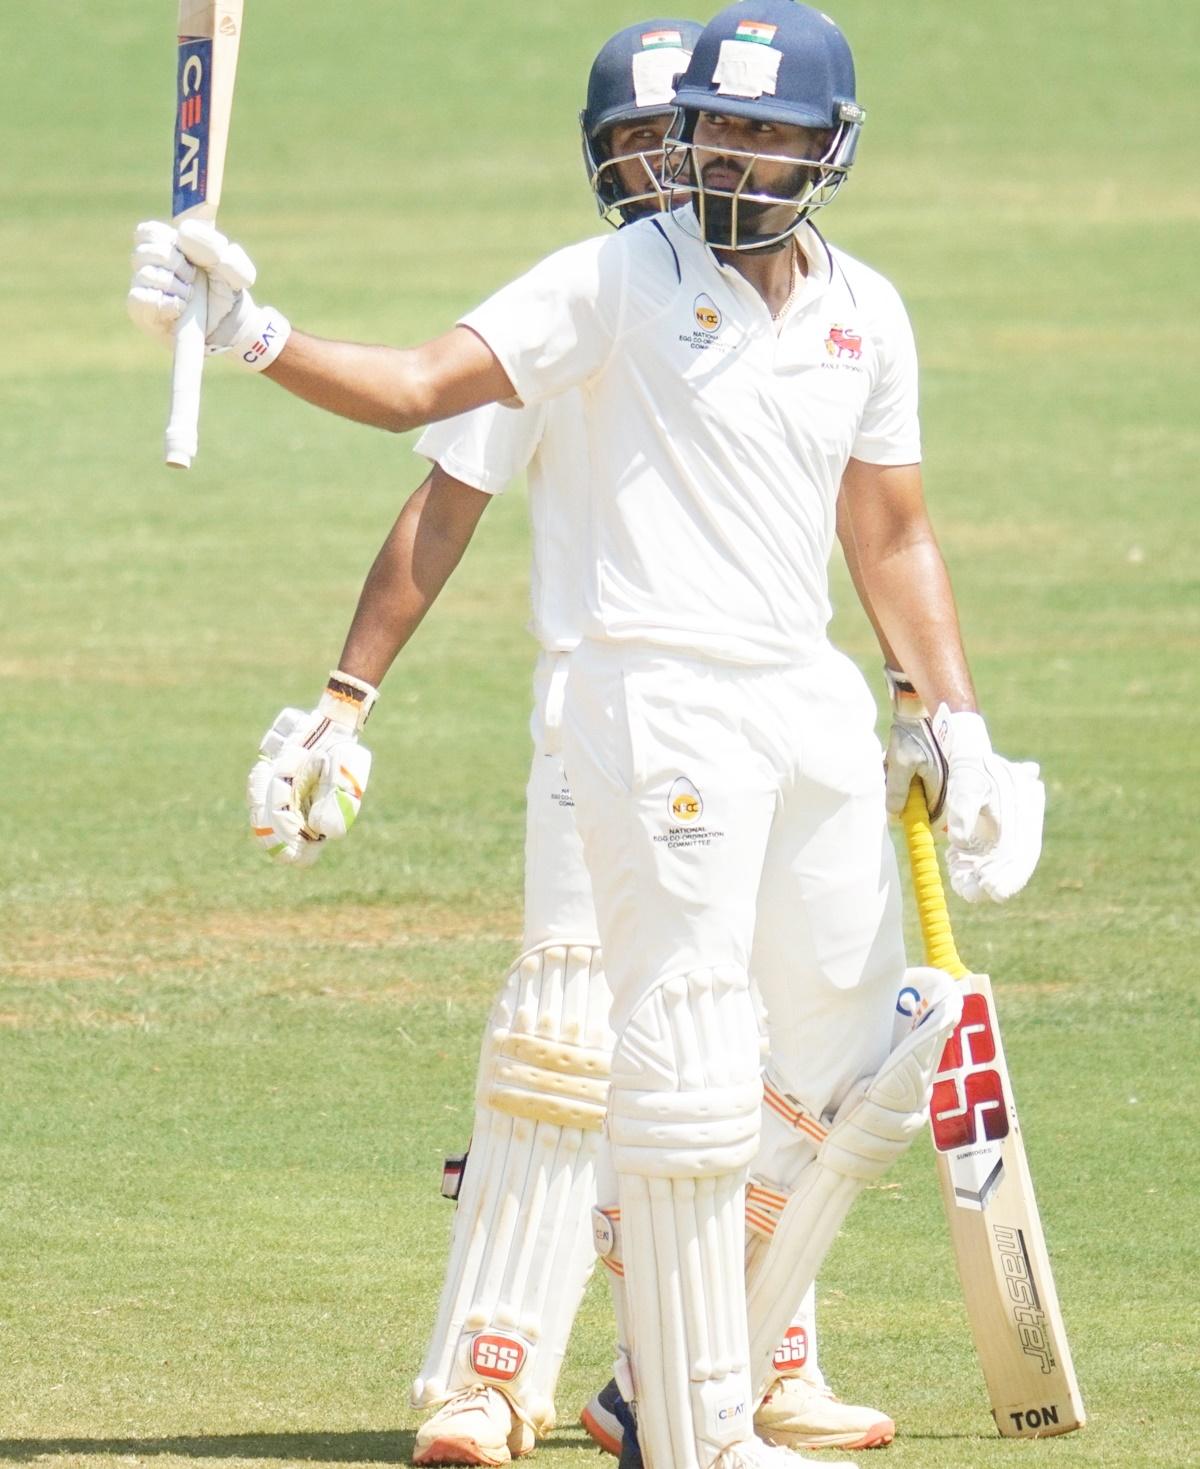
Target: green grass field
x=225, y=1090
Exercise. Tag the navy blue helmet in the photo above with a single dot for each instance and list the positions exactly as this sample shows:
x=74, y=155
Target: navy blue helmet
x=769, y=61
x=632, y=78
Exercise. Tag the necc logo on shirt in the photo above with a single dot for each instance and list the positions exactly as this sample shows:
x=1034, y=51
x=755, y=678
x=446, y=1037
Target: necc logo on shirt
x=708, y=318
x=685, y=802
x=497, y=1356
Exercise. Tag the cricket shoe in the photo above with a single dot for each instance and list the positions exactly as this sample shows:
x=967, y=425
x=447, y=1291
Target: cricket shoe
x=799, y=1414
x=750, y=1453
x=477, y=1426
x=795, y=1414
x=607, y=1418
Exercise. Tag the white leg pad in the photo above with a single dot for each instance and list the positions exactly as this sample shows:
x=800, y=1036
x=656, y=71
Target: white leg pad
x=607, y=1239
x=521, y=1250
x=826, y=1169
x=683, y=1121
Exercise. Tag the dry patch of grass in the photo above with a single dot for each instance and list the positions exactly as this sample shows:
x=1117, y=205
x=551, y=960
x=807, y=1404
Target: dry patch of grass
x=329, y=950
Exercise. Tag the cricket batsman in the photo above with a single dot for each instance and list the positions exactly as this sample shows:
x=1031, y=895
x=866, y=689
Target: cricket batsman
x=738, y=374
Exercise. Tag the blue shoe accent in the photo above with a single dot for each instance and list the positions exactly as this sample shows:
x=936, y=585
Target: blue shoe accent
x=631, y=1452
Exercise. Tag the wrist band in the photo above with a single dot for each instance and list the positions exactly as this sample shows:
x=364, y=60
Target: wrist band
x=347, y=699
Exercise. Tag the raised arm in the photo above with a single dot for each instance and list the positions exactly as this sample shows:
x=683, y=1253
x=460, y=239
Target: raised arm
x=389, y=387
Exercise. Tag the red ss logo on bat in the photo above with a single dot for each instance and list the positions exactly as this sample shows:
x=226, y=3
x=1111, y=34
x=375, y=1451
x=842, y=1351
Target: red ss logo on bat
x=968, y=1104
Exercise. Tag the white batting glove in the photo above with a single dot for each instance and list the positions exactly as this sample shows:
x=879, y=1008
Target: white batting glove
x=308, y=781
x=912, y=750
x=165, y=262
x=994, y=811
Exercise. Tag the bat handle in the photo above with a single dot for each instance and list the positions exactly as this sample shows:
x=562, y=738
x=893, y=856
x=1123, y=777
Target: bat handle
x=183, y=426
x=940, y=948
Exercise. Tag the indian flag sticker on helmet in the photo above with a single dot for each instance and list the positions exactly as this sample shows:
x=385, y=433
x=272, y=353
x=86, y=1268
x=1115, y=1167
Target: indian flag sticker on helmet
x=650, y=39
x=755, y=30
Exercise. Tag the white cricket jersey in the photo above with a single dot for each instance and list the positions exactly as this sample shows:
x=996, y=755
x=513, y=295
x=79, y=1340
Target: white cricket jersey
x=493, y=445
x=716, y=437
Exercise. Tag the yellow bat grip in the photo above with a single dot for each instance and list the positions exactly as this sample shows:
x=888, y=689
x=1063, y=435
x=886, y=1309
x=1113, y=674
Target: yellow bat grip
x=940, y=949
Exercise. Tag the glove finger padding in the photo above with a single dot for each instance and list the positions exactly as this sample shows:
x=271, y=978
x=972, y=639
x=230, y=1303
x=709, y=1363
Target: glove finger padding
x=973, y=808
x=204, y=245
x=308, y=782
x=345, y=770
x=908, y=755
x=1004, y=870
x=165, y=263
x=275, y=818
x=912, y=750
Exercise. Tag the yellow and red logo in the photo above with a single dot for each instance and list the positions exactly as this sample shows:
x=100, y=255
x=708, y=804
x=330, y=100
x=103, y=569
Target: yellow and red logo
x=844, y=341
x=685, y=802
x=708, y=317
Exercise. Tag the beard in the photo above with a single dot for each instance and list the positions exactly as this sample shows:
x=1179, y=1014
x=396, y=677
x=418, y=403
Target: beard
x=755, y=221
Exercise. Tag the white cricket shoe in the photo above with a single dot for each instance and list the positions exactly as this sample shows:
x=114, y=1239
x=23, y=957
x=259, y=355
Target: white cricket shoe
x=477, y=1426
x=799, y=1414
x=754, y=1453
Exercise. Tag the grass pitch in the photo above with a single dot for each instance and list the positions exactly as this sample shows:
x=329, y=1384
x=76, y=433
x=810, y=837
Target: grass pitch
x=225, y=1090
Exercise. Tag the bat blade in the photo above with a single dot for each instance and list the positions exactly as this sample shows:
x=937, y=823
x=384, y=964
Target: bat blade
x=995, y=1226
x=209, y=34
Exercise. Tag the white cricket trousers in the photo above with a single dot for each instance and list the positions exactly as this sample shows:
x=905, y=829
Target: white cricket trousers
x=734, y=815
x=558, y=892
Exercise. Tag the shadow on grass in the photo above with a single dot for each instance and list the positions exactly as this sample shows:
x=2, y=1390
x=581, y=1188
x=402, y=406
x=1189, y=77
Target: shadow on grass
x=315, y=1448
x=364, y=1447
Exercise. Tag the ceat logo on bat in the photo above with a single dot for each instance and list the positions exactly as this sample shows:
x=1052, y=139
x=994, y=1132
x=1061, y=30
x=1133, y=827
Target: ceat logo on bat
x=844, y=341
x=684, y=802
x=496, y=1356
x=792, y=1351
x=708, y=318
x=193, y=91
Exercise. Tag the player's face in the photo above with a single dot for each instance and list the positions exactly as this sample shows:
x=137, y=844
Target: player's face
x=635, y=151
x=744, y=157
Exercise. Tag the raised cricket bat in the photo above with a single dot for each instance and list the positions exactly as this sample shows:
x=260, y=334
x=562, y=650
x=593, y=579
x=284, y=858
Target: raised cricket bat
x=995, y=1227
x=209, y=33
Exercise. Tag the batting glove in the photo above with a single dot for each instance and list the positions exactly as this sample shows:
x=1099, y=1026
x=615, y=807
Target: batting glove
x=994, y=811
x=912, y=752
x=165, y=263
x=308, y=781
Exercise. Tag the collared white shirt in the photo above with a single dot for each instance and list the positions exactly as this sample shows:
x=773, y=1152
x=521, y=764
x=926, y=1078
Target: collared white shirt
x=716, y=438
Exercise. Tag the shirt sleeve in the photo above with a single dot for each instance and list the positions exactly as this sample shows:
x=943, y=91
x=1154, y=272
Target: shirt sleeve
x=556, y=326
x=487, y=448
x=890, y=429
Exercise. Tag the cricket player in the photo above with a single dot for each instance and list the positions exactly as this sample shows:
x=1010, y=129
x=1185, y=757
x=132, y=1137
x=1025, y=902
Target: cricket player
x=737, y=373
x=502, y=1328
